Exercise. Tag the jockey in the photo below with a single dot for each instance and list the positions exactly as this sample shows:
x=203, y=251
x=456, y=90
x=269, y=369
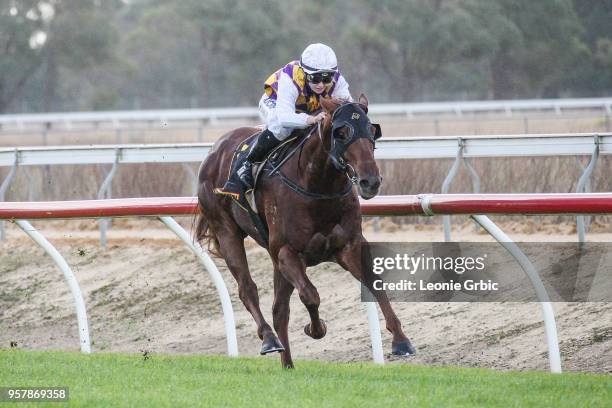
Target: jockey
x=291, y=97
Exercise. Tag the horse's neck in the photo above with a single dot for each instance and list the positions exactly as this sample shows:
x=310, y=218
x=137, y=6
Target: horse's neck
x=316, y=172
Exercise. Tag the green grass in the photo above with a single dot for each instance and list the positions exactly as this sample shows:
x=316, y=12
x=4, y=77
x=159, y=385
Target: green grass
x=107, y=380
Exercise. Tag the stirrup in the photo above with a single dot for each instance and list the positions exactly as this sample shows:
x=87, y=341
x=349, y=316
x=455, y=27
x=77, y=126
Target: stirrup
x=245, y=174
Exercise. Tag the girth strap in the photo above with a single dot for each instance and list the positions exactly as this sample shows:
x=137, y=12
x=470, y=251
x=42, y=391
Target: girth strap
x=317, y=196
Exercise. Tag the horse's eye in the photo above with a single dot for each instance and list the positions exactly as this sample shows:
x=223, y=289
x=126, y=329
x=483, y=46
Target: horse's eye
x=342, y=133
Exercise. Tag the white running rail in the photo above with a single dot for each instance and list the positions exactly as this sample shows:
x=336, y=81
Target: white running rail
x=508, y=107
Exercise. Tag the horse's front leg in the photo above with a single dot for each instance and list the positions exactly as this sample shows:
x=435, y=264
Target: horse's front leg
x=294, y=270
x=350, y=258
x=280, y=313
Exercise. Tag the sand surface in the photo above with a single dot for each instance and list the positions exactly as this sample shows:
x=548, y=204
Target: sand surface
x=146, y=291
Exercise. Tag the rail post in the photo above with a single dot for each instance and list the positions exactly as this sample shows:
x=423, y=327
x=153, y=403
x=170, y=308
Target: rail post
x=475, y=180
x=550, y=325
x=5, y=185
x=449, y=179
x=375, y=336
x=105, y=192
x=31, y=192
x=226, y=302
x=447, y=183
x=77, y=296
x=192, y=177
x=581, y=187
x=374, y=328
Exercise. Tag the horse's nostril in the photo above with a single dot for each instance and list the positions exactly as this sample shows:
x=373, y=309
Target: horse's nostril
x=371, y=183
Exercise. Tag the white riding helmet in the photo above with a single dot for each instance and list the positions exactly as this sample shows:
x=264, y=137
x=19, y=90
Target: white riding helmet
x=318, y=58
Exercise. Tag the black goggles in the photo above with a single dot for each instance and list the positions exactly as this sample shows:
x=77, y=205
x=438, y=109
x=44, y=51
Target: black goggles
x=325, y=77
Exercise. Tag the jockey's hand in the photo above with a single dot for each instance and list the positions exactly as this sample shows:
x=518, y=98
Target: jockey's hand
x=316, y=118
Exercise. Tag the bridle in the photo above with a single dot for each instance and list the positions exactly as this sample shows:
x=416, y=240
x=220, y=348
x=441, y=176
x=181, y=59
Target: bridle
x=340, y=118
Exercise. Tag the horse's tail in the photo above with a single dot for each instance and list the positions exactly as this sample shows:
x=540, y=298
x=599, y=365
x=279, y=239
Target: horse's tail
x=203, y=233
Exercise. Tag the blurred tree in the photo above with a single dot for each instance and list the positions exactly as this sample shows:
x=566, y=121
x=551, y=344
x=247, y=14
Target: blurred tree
x=239, y=46
x=79, y=36
x=417, y=43
x=593, y=76
x=21, y=41
x=545, y=46
x=161, y=49
x=483, y=48
x=94, y=54
x=336, y=24
x=51, y=36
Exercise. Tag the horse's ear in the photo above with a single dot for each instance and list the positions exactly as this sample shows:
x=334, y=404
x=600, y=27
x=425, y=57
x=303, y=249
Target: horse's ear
x=363, y=101
x=328, y=104
x=377, y=131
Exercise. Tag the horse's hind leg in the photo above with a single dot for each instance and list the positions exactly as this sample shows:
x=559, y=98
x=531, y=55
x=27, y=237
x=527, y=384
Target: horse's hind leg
x=280, y=312
x=294, y=270
x=350, y=259
x=232, y=249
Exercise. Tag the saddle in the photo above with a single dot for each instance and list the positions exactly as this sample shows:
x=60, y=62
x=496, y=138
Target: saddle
x=235, y=189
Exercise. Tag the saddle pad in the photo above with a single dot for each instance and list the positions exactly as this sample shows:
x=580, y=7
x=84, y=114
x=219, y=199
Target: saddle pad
x=233, y=186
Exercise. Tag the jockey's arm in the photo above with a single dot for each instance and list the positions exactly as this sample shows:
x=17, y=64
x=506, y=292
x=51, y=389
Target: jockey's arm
x=341, y=91
x=287, y=95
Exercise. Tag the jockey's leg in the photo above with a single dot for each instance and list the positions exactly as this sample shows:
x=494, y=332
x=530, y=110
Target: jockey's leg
x=266, y=141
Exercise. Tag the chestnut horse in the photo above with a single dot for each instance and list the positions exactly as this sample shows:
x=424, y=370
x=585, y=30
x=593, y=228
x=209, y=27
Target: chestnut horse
x=312, y=214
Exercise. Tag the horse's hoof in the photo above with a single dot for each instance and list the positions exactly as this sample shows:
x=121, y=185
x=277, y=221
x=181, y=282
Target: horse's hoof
x=318, y=336
x=270, y=345
x=403, y=348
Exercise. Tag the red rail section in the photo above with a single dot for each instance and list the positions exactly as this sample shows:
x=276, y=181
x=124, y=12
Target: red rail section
x=121, y=207
x=525, y=204
x=594, y=203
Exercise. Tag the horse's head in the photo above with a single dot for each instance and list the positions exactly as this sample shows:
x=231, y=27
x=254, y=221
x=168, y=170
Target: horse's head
x=352, y=138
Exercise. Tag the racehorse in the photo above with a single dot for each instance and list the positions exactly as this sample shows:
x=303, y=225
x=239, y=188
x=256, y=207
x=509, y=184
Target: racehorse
x=312, y=213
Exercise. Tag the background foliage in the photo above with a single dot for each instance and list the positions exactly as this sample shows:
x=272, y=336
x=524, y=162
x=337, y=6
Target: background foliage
x=58, y=55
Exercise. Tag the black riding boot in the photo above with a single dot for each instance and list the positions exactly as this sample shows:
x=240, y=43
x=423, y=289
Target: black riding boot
x=265, y=142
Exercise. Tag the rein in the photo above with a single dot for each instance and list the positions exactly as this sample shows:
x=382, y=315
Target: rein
x=309, y=194
x=350, y=172
x=291, y=153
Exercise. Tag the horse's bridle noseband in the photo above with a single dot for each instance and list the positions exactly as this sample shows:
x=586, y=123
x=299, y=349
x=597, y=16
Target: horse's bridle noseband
x=344, y=118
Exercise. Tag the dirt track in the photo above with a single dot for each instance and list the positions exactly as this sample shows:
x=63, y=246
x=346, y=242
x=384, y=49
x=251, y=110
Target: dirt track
x=146, y=291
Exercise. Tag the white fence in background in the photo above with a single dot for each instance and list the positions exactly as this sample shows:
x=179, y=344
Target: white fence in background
x=460, y=148
x=386, y=148
x=507, y=107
